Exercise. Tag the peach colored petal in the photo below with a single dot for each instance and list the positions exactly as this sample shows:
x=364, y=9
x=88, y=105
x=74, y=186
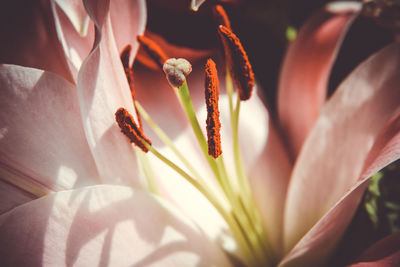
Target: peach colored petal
x=42, y=142
x=306, y=68
x=103, y=226
x=334, y=157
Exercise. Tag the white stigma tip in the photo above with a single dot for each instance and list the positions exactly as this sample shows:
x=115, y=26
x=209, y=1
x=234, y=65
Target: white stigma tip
x=177, y=70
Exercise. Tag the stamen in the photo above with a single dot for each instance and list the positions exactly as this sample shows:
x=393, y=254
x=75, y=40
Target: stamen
x=125, y=54
x=220, y=16
x=177, y=70
x=213, y=122
x=153, y=50
x=130, y=129
x=239, y=63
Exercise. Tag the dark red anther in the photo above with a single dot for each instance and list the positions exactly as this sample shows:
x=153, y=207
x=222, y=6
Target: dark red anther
x=130, y=129
x=238, y=61
x=220, y=16
x=213, y=122
x=153, y=50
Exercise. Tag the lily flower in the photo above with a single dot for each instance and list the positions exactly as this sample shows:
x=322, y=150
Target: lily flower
x=70, y=181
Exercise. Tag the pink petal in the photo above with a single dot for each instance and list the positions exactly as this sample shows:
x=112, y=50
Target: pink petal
x=102, y=89
x=76, y=13
x=269, y=179
x=306, y=68
x=320, y=241
x=12, y=196
x=75, y=31
x=42, y=142
x=30, y=37
x=128, y=19
x=355, y=136
x=385, y=252
x=103, y=226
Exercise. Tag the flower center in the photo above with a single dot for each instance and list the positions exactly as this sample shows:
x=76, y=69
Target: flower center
x=233, y=199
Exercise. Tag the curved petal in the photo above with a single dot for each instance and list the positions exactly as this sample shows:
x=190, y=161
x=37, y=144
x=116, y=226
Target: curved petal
x=102, y=226
x=385, y=252
x=316, y=246
x=30, y=37
x=42, y=142
x=336, y=159
x=75, y=31
x=102, y=89
x=269, y=180
x=12, y=196
x=304, y=77
x=128, y=19
x=76, y=13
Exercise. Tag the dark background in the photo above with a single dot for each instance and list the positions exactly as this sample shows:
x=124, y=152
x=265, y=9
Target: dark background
x=261, y=26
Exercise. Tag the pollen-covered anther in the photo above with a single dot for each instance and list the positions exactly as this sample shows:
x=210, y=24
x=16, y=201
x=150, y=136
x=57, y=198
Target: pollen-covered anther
x=130, y=129
x=220, y=16
x=239, y=64
x=213, y=122
x=177, y=70
x=125, y=55
x=153, y=50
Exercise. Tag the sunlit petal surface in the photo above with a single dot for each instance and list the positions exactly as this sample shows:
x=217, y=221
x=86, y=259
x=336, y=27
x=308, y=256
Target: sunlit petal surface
x=102, y=226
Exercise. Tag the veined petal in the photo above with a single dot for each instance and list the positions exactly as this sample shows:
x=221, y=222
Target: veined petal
x=304, y=78
x=385, y=252
x=30, y=37
x=102, y=90
x=102, y=226
x=334, y=156
x=42, y=142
